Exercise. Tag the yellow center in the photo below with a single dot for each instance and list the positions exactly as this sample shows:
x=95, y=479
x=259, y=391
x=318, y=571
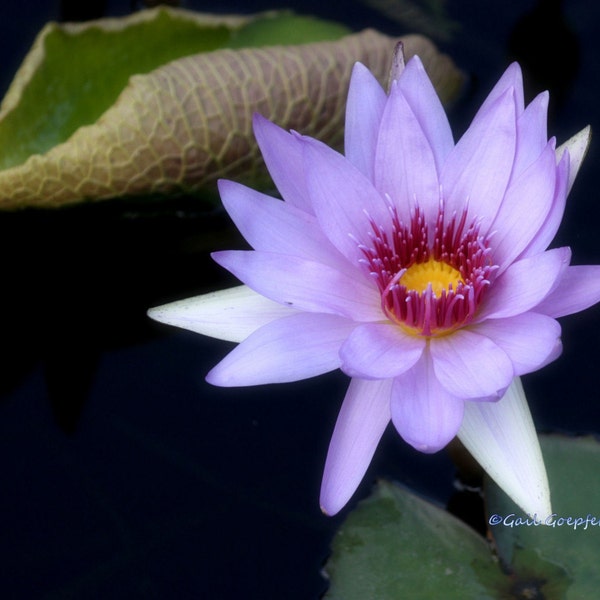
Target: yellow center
x=438, y=274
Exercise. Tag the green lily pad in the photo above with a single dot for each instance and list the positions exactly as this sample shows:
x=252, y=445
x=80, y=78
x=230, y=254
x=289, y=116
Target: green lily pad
x=156, y=103
x=396, y=545
x=570, y=537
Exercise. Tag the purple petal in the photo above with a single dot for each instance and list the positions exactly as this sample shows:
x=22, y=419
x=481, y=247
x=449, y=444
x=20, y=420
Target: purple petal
x=364, y=107
x=525, y=206
x=363, y=418
x=271, y=225
x=303, y=284
x=343, y=199
x=524, y=284
x=405, y=168
x=379, y=351
x=231, y=314
x=512, y=78
x=578, y=289
x=283, y=156
x=427, y=108
x=477, y=171
x=532, y=133
x=423, y=412
x=469, y=365
x=548, y=230
x=528, y=339
x=289, y=349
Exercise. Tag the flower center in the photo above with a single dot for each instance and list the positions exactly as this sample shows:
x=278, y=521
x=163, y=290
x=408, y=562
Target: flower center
x=430, y=284
x=437, y=274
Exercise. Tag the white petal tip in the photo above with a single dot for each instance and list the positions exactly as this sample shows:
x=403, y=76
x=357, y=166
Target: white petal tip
x=501, y=437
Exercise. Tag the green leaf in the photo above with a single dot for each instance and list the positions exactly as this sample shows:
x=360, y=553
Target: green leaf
x=286, y=29
x=74, y=72
x=102, y=109
x=571, y=541
x=396, y=545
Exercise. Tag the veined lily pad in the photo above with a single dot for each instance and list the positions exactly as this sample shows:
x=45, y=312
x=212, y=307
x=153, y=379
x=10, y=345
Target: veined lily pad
x=156, y=103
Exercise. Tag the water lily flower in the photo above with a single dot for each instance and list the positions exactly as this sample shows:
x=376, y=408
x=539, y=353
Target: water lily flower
x=417, y=265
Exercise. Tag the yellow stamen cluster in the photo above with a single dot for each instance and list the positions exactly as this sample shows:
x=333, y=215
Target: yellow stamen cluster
x=440, y=275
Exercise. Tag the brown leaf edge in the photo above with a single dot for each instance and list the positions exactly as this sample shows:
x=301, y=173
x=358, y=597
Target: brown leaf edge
x=184, y=125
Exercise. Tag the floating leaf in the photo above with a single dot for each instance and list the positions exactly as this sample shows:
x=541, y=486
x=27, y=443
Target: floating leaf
x=395, y=546
x=572, y=539
x=176, y=129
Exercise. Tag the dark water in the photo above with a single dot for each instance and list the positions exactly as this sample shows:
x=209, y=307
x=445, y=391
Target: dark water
x=125, y=474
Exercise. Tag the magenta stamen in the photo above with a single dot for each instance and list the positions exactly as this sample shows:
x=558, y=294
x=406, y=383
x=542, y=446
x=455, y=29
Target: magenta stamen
x=394, y=251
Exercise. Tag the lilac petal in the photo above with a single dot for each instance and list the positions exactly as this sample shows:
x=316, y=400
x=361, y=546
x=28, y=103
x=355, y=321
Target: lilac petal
x=363, y=418
x=343, y=199
x=231, y=314
x=532, y=133
x=423, y=412
x=578, y=289
x=552, y=222
x=577, y=147
x=379, y=351
x=524, y=284
x=283, y=156
x=405, y=167
x=512, y=78
x=271, y=225
x=477, y=171
x=528, y=339
x=469, y=365
x=303, y=284
x=524, y=208
x=501, y=437
x=364, y=107
x=418, y=90
x=289, y=349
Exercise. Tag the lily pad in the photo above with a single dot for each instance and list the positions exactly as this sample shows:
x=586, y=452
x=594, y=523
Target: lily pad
x=570, y=537
x=396, y=545
x=156, y=103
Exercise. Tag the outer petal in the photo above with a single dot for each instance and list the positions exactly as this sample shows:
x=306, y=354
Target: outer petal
x=469, y=365
x=532, y=133
x=577, y=147
x=405, y=168
x=418, y=90
x=364, y=107
x=550, y=226
x=512, y=78
x=423, y=412
x=528, y=339
x=303, y=284
x=524, y=209
x=283, y=156
x=379, y=351
x=477, y=171
x=524, y=284
x=501, y=437
x=363, y=418
x=343, y=199
x=578, y=289
x=271, y=225
x=231, y=314
x=289, y=349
